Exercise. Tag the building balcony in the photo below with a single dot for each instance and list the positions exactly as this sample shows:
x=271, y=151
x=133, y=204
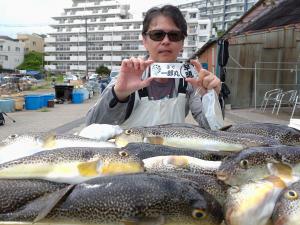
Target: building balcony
x=188, y=43
x=107, y=58
x=77, y=58
x=107, y=48
x=50, y=49
x=234, y=2
x=78, y=67
x=50, y=39
x=77, y=39
x=77, y=48
x=116, y=58
x=141, y=48
x=116, y=48
x=107, y=38
x=50, y=58
x=117, y=38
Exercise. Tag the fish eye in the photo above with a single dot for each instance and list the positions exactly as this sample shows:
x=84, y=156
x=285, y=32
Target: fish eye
x=123, y=153
x=128, y=131
x=199, y=213
x=244, y=163
x=13, y=136
x=291, y=195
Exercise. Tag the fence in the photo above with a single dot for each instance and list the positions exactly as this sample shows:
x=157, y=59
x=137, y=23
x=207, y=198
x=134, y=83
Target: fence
x=248, y=84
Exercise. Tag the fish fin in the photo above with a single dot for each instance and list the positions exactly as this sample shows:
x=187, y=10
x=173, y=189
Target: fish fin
x=144, y=221
x=49, y=141
x=276, y=181
x=156, y=140
x=88, y=169
x=280, y=170
x=51, y=201
x=225, y=127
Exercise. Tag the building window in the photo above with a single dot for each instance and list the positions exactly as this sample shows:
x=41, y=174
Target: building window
x=202, y=38
x=1, y=47
x=93, y=19
x=203, y=26
x=18, y=49
x=95, y=11
x=193, y=15
x=8, y=48
x=6, y=58
x=34, y=43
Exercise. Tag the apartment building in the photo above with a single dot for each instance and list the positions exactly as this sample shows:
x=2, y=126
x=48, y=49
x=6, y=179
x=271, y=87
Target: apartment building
x=33, y=42
x=91, y=33
x=11, y=52
x=223, y=13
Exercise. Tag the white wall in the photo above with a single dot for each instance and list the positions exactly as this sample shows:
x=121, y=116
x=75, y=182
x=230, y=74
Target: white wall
x=11, y=53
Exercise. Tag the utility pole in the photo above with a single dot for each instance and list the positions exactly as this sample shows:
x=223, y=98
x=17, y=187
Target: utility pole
x=86, y=50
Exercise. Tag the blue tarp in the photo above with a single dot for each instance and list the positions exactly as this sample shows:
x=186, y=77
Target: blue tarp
x=36, y=74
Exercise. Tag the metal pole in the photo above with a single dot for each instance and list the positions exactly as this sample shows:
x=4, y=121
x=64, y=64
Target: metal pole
x=255, y=73
x=86, y=50
x=296, y=74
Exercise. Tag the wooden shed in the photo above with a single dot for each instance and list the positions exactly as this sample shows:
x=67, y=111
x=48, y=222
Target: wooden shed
x=264, y=52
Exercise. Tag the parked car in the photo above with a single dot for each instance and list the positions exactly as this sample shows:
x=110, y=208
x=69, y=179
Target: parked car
x=93, y=76
x=113, y=74
x=69, y=78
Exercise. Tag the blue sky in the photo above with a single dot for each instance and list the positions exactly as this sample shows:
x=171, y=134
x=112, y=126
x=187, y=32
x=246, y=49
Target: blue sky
x=34, y=16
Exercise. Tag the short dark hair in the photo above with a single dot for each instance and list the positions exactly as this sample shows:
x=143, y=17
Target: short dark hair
x=168, y=11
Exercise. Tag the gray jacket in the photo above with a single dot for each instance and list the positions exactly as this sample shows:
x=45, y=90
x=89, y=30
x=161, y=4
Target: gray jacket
x=108, y=110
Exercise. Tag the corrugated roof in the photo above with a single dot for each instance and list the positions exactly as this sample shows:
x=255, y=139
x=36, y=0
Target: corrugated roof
x=286, y=13
x=267, y=14
x=7, y=38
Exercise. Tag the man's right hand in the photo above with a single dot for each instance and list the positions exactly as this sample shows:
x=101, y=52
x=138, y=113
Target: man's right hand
x=129, y=79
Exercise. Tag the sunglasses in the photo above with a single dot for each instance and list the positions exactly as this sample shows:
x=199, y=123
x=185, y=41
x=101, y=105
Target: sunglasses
x=159, y=35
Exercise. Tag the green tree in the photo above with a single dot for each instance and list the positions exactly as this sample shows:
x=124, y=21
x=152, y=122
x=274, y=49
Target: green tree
x=32, y=61
x=103, y=71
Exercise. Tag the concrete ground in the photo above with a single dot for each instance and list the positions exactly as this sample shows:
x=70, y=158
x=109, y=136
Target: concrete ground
x=69, y=118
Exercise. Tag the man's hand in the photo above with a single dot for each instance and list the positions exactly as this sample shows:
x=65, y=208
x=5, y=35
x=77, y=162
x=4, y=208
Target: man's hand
x=129, y=79
x=206, y=80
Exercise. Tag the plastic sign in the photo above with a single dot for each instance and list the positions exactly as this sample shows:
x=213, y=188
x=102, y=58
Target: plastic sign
x=172, y=70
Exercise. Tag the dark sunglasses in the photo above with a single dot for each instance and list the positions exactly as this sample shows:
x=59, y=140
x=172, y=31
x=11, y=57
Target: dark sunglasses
x=159, y=35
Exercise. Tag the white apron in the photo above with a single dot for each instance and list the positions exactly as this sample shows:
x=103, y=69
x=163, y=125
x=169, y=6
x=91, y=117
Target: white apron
x=155, y=112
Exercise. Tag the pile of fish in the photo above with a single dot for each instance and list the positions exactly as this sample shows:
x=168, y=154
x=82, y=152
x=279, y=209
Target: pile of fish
x=162, y=175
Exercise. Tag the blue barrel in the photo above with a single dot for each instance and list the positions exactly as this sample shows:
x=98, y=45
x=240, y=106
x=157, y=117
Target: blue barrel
x=46, y=98
x=33, y=102
x=77, y=97
x=84, y=91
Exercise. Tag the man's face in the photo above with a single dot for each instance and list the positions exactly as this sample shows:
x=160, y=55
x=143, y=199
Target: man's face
x=164, y=50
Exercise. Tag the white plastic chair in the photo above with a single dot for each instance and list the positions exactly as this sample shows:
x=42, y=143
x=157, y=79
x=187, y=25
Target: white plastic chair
x=296, y=103
x=269, y=96
x=287, y=97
